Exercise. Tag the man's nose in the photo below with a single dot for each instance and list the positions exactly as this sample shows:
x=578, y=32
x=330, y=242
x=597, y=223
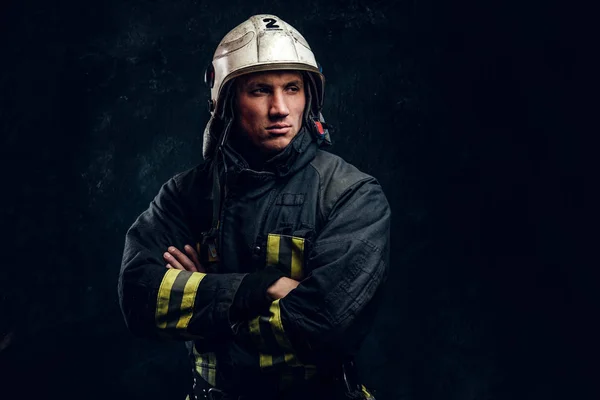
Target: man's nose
x=278, y=108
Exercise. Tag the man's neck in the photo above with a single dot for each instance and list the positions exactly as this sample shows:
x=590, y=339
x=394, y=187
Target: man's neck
x=254, y=158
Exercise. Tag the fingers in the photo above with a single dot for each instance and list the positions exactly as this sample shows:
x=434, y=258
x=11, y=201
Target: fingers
x=177, y=260
x=173, y=263
x=194, y=256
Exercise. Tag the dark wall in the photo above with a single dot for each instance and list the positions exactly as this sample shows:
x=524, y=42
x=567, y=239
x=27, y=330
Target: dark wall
x=466, y=114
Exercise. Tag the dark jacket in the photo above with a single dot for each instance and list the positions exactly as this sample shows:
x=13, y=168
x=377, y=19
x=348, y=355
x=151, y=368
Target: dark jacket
x=308, y=215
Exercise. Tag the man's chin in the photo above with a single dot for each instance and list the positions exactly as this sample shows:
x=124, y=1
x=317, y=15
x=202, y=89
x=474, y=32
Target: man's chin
x=275, y=145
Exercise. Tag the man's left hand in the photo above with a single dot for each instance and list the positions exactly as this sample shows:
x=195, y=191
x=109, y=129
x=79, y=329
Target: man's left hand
x=281, y=288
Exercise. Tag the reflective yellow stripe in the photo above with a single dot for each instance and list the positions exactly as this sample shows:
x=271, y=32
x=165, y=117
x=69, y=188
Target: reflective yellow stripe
x=179, y=313
x=291, y=360
x=200, y=365
x=277, y=325
x=368, y=396
x=253, y=324
x=211, y=375
x=297, y=258
x=254, y=328
x=206, y=366
x=266, y=360
x=164, y=294
x=189, y=297
x=295, y=246
x=273, y=249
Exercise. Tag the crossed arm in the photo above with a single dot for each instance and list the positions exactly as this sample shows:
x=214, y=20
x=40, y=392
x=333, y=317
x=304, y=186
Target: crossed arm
x=165, y=291
x=190, y=261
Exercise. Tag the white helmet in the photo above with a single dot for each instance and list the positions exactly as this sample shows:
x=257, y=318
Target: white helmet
x=262, y=43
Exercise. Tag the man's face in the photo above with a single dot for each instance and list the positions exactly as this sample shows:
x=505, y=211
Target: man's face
x=269, y=108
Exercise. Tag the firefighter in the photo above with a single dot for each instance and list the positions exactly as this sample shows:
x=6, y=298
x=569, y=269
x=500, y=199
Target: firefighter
x=268, y=258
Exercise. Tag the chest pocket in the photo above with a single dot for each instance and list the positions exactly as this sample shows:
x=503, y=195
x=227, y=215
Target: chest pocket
x=286, y=253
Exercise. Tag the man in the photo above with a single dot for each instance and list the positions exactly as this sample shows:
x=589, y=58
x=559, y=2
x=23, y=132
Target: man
x=268, y=258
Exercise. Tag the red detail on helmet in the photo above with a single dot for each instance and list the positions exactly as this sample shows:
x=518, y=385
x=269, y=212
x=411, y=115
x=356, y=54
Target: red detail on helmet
x=320, y=128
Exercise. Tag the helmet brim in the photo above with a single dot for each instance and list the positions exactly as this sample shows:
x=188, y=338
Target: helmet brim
x=292, y=66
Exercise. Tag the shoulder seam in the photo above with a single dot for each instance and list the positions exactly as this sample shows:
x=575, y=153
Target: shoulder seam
x=177, y=177
x=351, y=187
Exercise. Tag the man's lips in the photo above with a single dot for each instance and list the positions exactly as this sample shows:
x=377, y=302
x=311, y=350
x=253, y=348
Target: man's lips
x=279, y=129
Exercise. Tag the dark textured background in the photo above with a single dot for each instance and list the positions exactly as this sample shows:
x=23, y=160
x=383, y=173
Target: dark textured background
x=468, y=114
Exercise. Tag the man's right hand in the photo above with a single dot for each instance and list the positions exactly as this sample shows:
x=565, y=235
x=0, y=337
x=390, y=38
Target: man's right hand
x=177, y=260
x=281, y=288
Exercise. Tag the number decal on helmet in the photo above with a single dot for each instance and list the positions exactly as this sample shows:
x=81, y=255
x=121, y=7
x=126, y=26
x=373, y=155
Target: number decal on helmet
x=271, y=23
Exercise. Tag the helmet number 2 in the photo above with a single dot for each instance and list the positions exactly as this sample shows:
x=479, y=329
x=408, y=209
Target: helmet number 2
x=271, y=23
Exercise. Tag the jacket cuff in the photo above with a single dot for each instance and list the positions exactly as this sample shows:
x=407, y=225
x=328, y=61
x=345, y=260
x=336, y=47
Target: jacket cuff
x=251, y=295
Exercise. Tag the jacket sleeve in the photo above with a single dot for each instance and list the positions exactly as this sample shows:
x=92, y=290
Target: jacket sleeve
x=332, y=310
x=157, y=301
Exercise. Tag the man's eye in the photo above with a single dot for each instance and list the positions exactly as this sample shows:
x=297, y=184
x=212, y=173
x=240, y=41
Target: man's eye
x=259, y=91
x=293, y=88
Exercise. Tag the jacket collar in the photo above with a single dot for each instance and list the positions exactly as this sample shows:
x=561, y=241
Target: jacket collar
x=297, y=154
